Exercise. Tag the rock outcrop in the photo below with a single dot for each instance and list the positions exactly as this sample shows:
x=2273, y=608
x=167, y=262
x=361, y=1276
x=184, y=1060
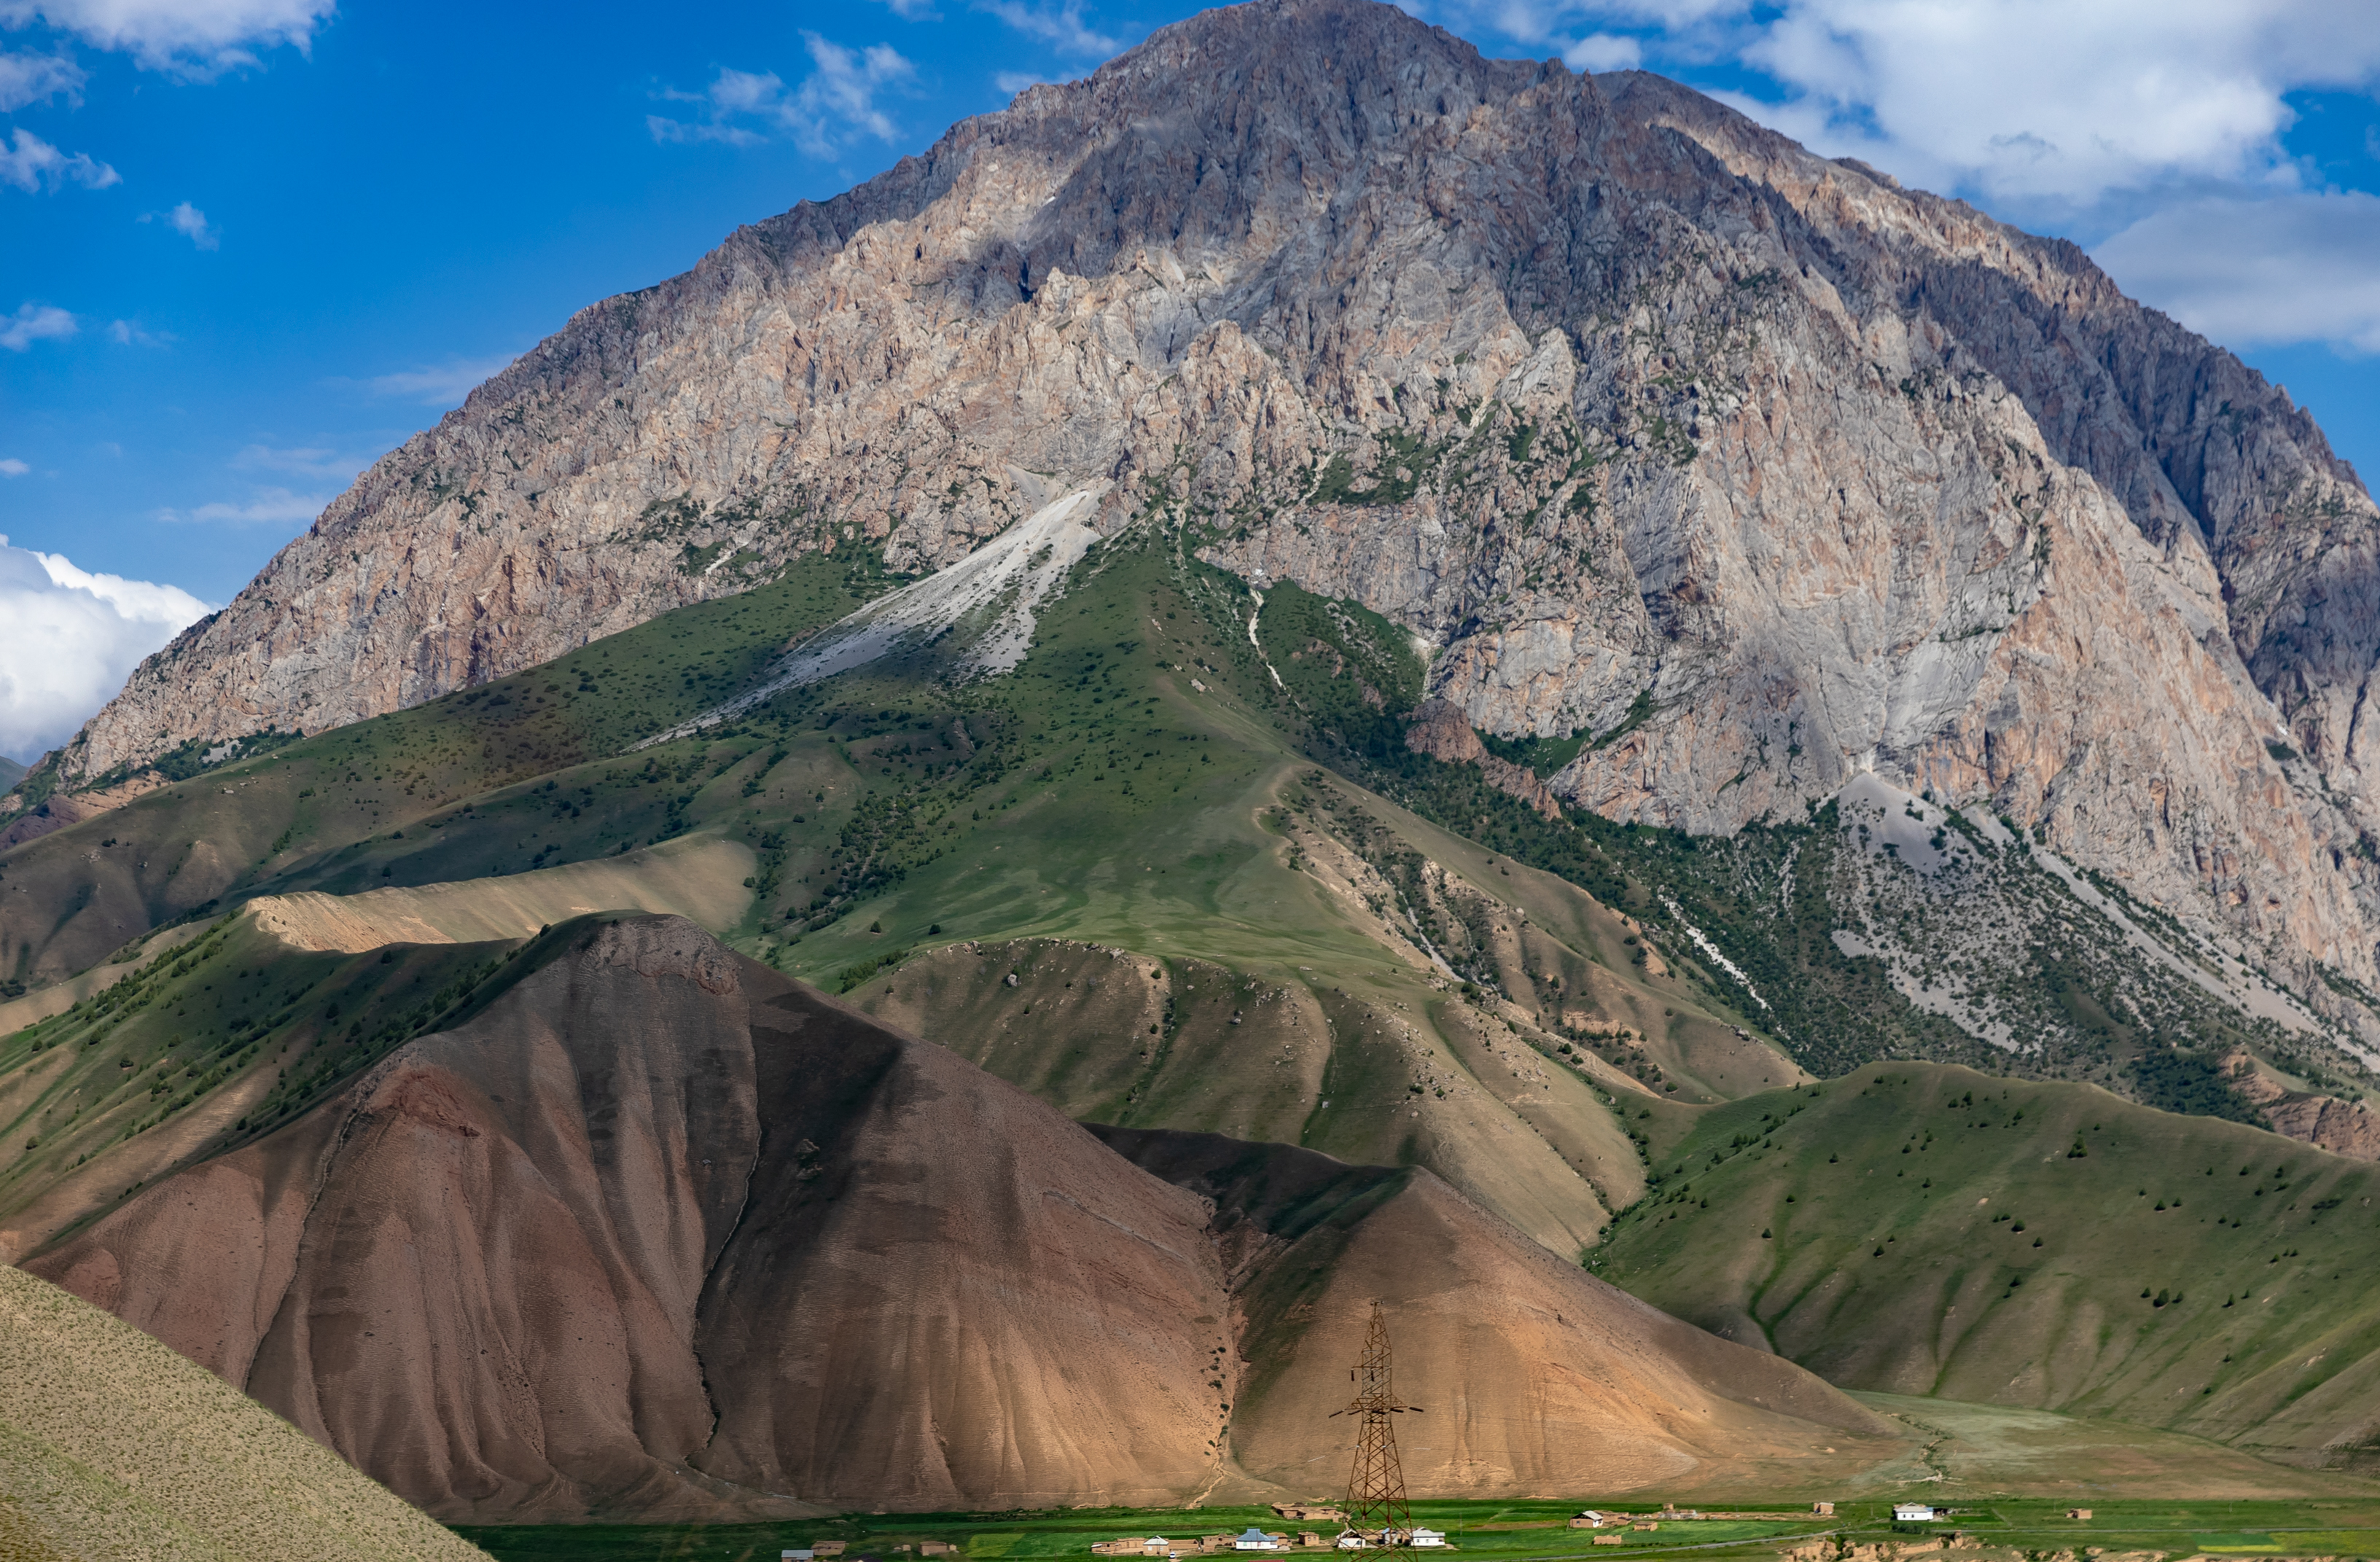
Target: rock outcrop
x=2344, y=1128
x=658, y=1233
x=1655, y=423
x=1440, y=730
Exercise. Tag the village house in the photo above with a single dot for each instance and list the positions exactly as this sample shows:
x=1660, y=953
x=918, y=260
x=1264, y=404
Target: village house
x=1253, y=1539
x=1590, y=1519
x=1425, y=1538
x=1822, y=1510
x=1913, y=1513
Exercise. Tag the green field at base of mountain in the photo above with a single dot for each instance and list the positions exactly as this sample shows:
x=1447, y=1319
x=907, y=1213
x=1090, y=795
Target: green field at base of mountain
x=2337, y=1525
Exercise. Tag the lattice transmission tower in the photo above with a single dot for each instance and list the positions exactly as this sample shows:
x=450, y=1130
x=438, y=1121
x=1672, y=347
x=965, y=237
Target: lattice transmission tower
x=1375, y=1487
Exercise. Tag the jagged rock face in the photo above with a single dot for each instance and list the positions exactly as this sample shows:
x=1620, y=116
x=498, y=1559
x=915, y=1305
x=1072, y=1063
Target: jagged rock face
x=1760, y=467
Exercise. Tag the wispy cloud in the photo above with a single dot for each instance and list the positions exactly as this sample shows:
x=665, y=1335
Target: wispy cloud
x=305, y=461
x=12, y=468
x=912, y=10
x=831, y=106
x=440, y=384
x=193, y=39
x=126, y=334
x=32, y=164
x=191, y=223
x=73, y=637
x=31, y=78
x=265, y=506
x=1061, y=25
x=34, y=322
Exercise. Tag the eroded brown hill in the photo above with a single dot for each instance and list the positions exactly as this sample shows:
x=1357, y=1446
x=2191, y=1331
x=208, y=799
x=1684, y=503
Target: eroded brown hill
x=1533, y=1375
x=660, y=1232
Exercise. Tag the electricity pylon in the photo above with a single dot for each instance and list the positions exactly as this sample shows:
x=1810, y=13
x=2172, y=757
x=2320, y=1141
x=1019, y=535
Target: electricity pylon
x=1375, y=1487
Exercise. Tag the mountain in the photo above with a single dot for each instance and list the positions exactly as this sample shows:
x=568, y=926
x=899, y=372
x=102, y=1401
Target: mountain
x=657, y=1232
x=1752, y=468
x=112, y=1449
x=1350, y=659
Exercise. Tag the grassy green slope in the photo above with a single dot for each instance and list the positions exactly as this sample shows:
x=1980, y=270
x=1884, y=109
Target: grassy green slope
x=372, y=803
x=1928, y=1229
x=207, y=1045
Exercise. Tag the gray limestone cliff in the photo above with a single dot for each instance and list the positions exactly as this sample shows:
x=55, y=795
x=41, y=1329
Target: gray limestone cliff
x=1761, y=469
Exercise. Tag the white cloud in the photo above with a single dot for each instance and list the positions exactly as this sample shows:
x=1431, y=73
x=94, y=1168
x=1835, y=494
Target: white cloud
x=1014, y=81
x=441, y=385
x=32, y=164
x=304, y=461
x=12, y=468
x=73, y=637
x=1604, y=51
x=267, y=506
x=196, y=38
x=912, y=10
x=30, y=78
x=2291, y=268
x=124, y=333
x=833, y=106
x=2053, y=102
x=189, y=221
x=31, y=322
x=1060, y=24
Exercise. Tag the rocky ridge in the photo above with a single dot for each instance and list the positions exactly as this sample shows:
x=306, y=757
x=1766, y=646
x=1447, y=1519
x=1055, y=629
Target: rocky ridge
x=1757, y=467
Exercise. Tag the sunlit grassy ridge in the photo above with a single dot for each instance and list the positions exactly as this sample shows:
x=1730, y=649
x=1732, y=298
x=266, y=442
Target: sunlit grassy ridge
x=112, y=1446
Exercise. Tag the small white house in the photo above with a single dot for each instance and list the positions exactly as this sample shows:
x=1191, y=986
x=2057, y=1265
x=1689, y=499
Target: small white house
x=1349, y=1541
x=1913, y=1513
x=1256, y=1540
x=1424, y=1537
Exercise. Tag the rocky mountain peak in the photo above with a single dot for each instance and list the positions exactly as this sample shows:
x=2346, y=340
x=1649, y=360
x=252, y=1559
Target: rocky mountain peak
x=1754, y=468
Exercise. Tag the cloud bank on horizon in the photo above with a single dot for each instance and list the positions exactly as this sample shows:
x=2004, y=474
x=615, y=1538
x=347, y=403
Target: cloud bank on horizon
x=73, y=638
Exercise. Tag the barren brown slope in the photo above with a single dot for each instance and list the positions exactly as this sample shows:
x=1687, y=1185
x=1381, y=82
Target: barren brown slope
x=661, y=1232
x=1534, y=1376
x=115, y=1449
x=477, y=1273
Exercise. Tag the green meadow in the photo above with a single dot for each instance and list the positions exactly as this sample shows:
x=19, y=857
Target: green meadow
x=1516, y=1532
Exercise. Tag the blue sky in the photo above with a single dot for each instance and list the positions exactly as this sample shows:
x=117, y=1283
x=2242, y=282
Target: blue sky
x=252, y=244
